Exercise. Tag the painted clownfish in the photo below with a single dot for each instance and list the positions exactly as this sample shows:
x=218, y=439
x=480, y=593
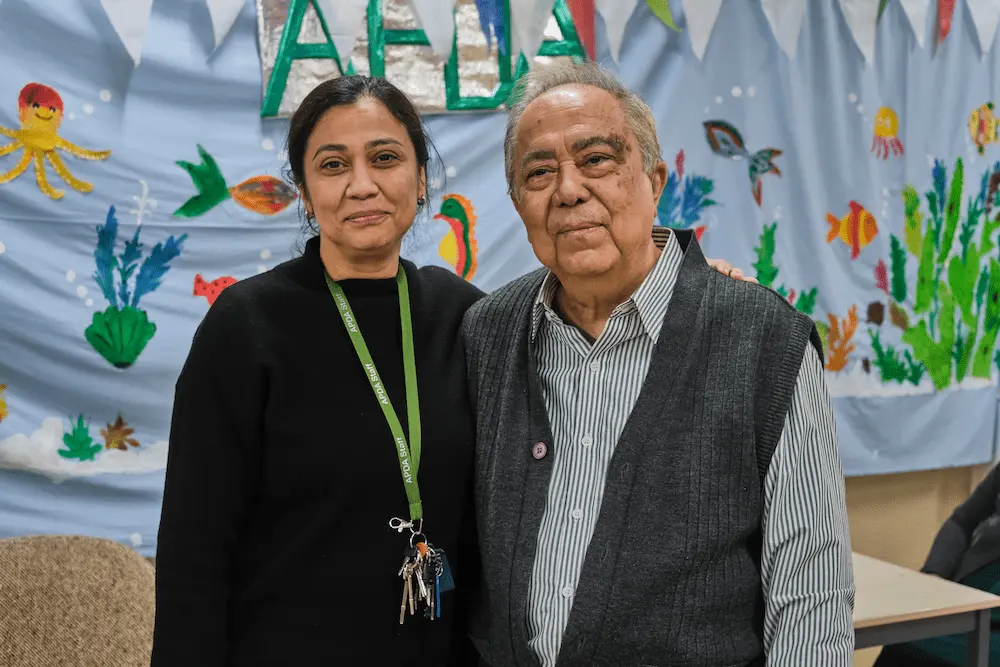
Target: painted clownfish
x=459, y=247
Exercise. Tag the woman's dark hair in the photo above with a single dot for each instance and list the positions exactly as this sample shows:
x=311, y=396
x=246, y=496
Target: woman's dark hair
x=344, y=91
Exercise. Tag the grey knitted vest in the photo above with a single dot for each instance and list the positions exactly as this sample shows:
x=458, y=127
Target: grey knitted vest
x=671, y=576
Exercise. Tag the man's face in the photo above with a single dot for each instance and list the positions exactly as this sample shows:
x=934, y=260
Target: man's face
x=579, y=184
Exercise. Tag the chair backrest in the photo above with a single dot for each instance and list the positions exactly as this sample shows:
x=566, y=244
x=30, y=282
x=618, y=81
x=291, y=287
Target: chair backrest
x=73, y=600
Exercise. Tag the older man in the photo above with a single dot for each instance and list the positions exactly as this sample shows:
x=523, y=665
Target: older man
x=658, y=480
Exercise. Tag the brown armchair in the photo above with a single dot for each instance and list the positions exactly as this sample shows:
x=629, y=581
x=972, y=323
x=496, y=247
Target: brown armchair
x=71, y=601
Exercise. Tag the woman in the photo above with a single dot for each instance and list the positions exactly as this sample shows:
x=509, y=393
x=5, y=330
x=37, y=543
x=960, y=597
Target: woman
x=966, y=550
x=295, y=435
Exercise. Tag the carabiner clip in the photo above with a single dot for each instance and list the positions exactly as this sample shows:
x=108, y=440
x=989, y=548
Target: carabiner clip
x=399, y=525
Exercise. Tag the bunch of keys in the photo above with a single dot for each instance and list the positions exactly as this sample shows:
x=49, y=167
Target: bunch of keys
x=421, y=573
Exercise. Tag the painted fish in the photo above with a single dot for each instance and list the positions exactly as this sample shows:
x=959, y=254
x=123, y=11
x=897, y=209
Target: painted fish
x=459, y=248
x=3, y=403
x=856, y=229
x=265, y=195
x=725, y=140
x=211, y=290
x=983, y=126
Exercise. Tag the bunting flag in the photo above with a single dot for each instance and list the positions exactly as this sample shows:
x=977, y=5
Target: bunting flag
x=986, y=17
x=785, y=18
x=582, y=12
x=528, y=19
x=916, y=13
x=223, y=14
x=616, y=14
x=345, y=19
x=130, y=19
x=491, y=22
x=701, y=16
x=437, y=18
x=661, y=8
x=946, y=9
x=861, y=17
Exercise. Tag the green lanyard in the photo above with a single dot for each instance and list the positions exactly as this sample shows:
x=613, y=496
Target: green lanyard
x=409, y=456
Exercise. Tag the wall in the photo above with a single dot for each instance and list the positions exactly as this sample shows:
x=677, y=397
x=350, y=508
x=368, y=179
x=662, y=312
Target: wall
x=895, y=517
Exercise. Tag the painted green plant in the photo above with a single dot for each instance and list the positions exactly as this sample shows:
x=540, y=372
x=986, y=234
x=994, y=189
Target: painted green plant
x=120, y=333
x=767, y=272
x=79, y=444
x=953, y=320
x=894, y=365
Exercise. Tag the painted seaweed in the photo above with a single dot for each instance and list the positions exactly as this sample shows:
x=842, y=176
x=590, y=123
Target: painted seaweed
x=952, y=323
x=767, y=272
x=120, y=333
x=684, y=198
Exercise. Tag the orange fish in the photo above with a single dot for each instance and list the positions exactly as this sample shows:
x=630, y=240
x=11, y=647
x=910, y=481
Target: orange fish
x=856, y=229
x=212, y=290
x=265, y=194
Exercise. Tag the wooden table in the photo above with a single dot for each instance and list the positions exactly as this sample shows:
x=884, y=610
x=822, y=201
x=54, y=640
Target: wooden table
x=894, y=605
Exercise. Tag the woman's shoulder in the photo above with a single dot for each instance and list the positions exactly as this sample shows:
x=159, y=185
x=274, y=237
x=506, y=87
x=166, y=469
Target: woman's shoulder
x=252, y=300
x=443, y=288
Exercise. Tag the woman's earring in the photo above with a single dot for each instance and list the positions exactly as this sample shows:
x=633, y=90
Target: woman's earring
x=421, y=201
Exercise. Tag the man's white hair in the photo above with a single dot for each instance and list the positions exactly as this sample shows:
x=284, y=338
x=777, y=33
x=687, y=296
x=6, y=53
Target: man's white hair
x=544, y=78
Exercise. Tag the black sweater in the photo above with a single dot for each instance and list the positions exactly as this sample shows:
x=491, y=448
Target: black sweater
x=274, y=545
x=970, y=538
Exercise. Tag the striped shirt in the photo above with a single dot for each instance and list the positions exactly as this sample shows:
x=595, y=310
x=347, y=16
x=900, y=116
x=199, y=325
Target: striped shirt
x=589, y=391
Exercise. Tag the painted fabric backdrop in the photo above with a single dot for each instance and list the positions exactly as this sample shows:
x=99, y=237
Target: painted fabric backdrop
x=856, y=188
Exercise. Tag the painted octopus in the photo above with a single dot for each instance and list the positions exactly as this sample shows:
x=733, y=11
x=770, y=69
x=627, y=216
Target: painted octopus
x=40, y=111
x=886, y=137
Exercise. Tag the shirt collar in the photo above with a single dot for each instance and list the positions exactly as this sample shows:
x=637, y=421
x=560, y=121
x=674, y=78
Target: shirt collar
x=651, y=299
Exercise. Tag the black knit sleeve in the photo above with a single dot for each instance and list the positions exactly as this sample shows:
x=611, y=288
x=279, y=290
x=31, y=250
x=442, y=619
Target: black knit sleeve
x=953, y=539
x=215, y=441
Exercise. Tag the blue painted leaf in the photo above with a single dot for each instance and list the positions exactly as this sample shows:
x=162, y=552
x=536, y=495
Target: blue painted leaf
x=104, y=257
x=156, y=266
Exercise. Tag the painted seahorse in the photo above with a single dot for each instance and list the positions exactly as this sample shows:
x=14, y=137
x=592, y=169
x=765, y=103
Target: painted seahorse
x=459, y=248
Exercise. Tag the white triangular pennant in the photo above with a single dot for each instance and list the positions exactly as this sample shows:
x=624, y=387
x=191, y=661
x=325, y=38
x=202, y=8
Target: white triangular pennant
x=861, y=17
x=130, y=19
x=223, y=14
x=528, y=19
x=916, y=12
x=986, y=18
x=616, y=14
x=785, y=17
x=437, y=18
x=345, y=19
x=700, y=18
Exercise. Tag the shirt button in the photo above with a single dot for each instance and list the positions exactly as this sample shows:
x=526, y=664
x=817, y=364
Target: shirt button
x=578, y=514
x=539, y=450
x=595, y=366
x=587, y=441
x=567, y=591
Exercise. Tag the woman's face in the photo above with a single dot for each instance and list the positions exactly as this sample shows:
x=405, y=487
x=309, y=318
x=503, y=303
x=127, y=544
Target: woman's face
x=362, y=180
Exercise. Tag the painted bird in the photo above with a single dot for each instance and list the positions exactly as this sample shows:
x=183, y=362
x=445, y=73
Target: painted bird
x=211, y=290
x=726, y=140
x=459, y=247
x=856, y=229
